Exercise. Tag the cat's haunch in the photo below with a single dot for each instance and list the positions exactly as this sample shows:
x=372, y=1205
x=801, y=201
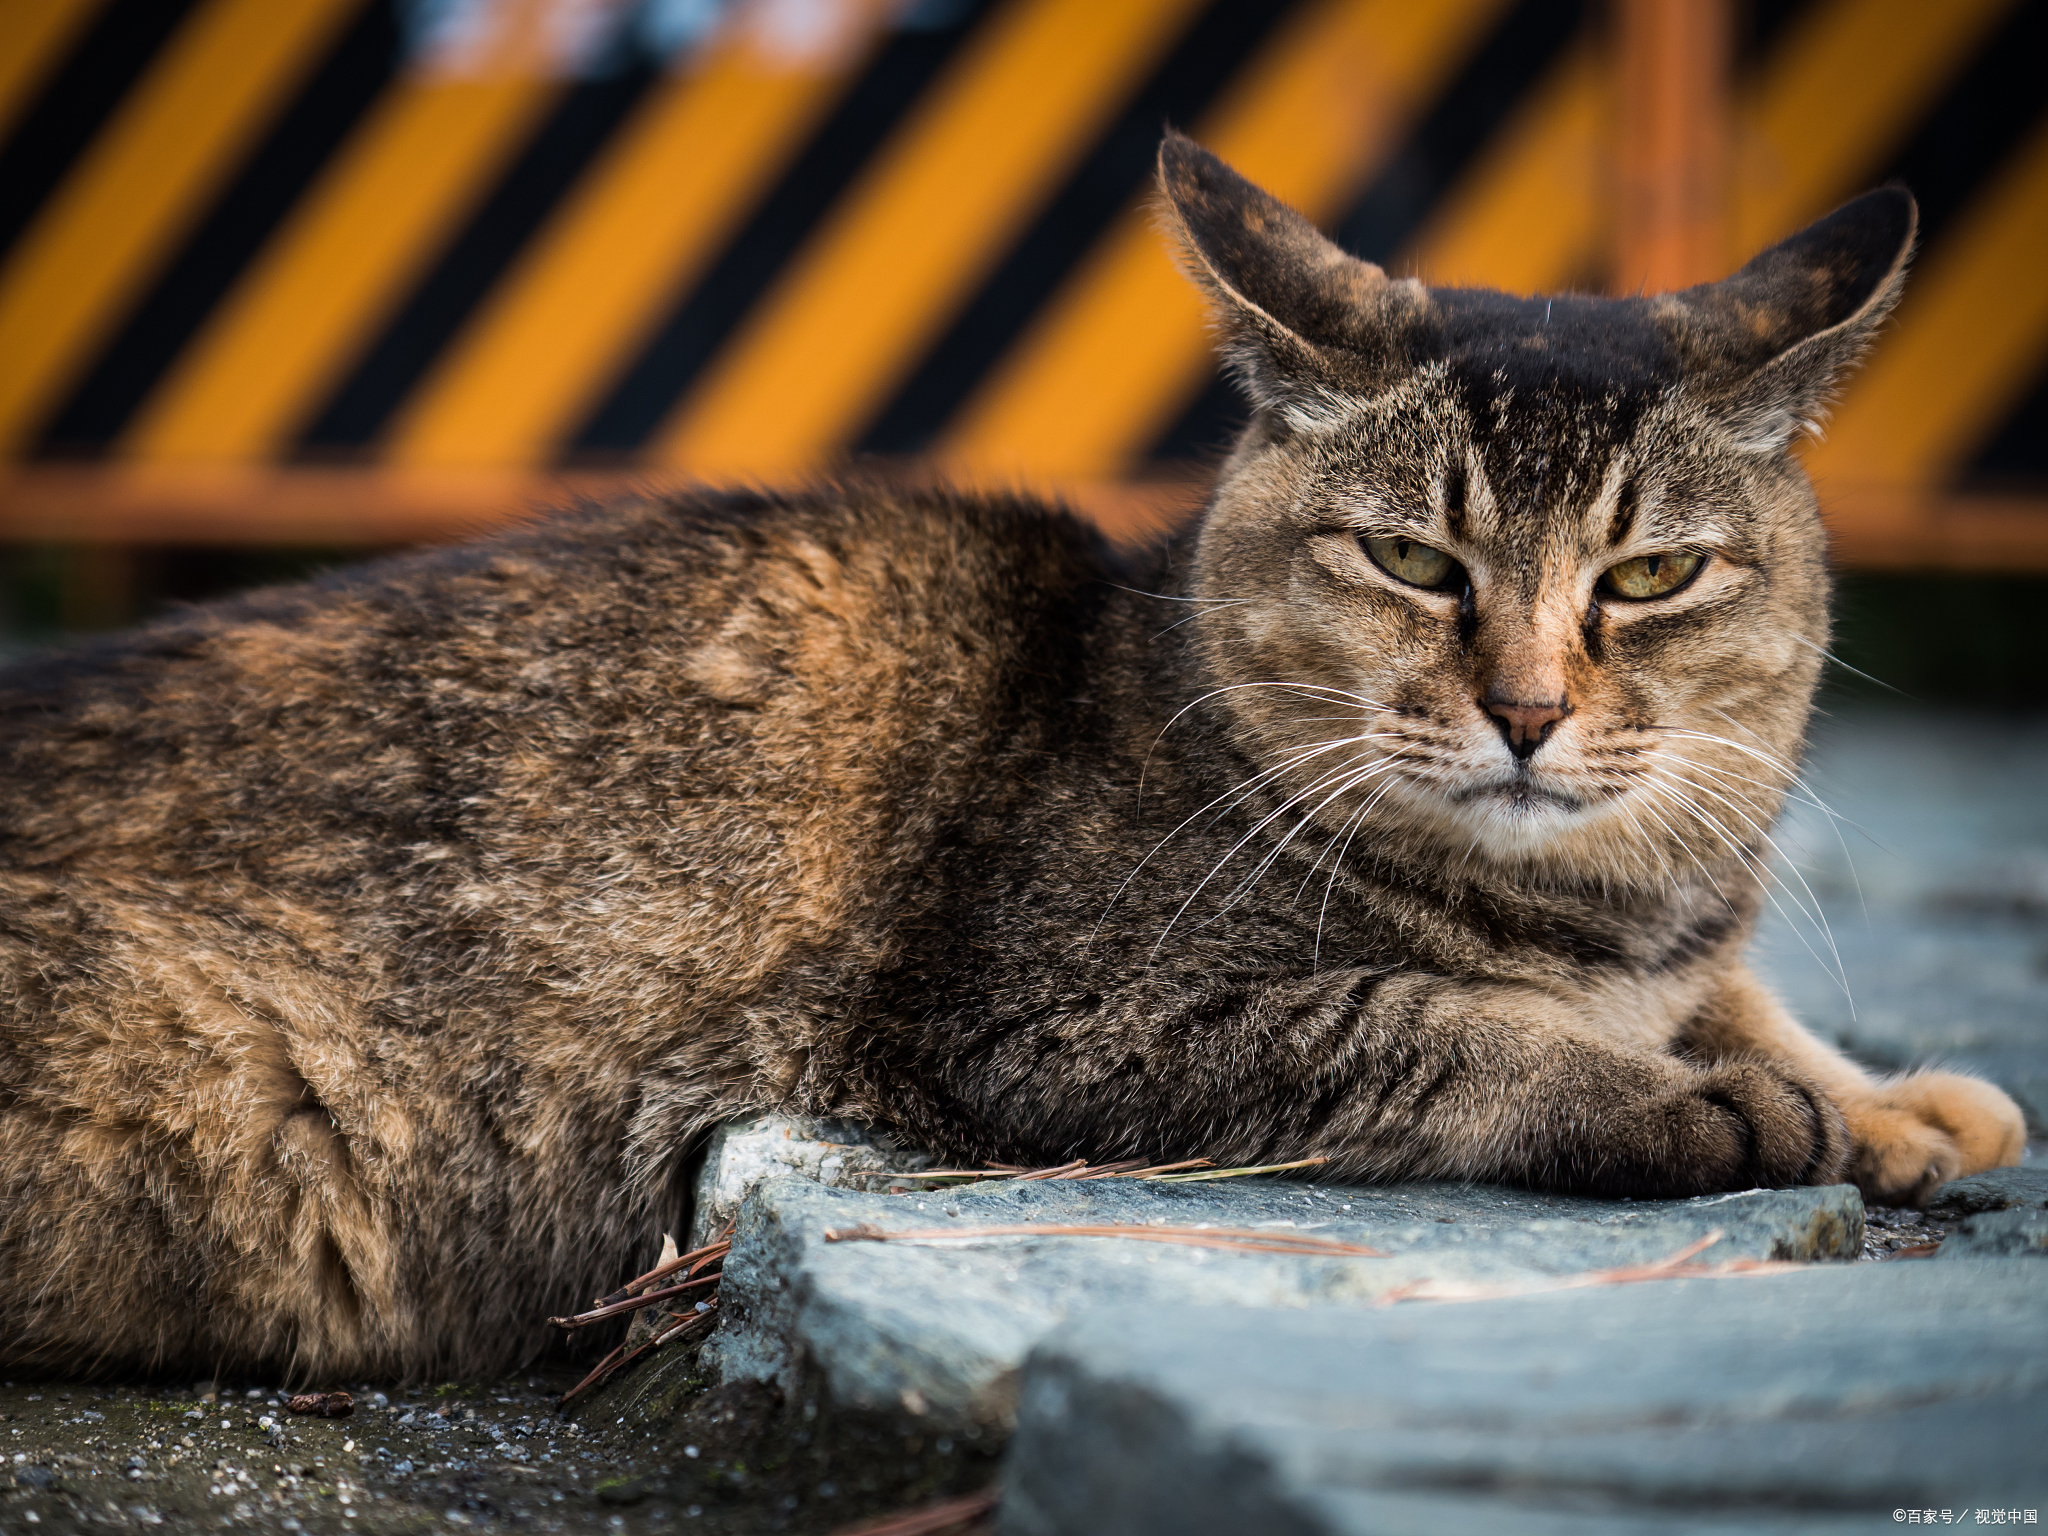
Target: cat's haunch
x=373, y=952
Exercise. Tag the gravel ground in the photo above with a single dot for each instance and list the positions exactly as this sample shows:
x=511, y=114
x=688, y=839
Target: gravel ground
x=197, y=1458
x=232, y=1458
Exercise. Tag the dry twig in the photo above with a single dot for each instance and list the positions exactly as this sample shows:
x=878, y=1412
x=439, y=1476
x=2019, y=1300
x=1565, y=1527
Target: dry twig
x=602, y=1369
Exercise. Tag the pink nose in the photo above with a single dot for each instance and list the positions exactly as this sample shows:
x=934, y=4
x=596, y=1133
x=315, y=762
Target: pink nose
x=1525, y=726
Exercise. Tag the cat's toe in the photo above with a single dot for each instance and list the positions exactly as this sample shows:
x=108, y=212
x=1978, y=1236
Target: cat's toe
x=1915, y=1133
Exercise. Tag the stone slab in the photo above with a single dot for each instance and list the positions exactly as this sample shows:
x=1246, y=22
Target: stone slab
x=1817, y=1401
x=2001, y=1189
x=939, y=1330
x=744, y=1154
x=2019, y=1233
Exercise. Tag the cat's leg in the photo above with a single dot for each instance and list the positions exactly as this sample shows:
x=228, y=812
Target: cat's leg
x=1388, y=1076
x=1913, y=1131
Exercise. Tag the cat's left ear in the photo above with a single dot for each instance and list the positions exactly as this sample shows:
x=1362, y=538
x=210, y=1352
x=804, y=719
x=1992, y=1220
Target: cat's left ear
x=1304, y=324
x=1765, y=348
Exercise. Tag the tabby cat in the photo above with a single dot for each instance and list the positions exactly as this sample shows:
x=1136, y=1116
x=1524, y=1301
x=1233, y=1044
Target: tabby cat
x=373, y=952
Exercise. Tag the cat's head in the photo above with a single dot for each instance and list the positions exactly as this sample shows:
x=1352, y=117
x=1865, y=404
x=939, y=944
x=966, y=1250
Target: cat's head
x=1538, y=579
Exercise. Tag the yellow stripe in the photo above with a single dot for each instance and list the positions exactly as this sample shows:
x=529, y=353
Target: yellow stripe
x=348, y=254
x=37, y=32
x=1834, y=99
x=1526, y=218
x=179, y=134
x=1968, y=340
x=952, y=189
x=638, y=230
x=1530, y=216
x=1122, y=348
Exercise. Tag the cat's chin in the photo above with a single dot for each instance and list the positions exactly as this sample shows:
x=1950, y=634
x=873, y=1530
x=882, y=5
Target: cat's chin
x=1516, y=818
x=1519, y=797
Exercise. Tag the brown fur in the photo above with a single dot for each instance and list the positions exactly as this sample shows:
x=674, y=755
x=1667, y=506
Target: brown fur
x=373, y=953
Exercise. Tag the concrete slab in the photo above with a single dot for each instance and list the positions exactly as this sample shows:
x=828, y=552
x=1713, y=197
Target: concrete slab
x=1818, y=1401
x=938, y=1330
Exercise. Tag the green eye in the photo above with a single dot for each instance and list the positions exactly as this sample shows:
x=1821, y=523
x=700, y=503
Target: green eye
x=1651, y=575
x=1417, y=564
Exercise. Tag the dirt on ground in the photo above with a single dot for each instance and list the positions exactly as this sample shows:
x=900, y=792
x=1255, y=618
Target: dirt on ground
x=656, y=1451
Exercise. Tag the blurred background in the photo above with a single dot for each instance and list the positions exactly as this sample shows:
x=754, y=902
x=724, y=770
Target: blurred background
x=283, y=282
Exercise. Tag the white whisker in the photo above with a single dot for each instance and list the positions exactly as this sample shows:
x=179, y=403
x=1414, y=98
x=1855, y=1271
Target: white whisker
x=1286, y=805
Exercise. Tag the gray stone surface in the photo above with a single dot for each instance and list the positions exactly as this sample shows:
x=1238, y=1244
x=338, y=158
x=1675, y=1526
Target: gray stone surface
x=742, y=1155
x=938, y=1330
x=2000, y=1189
x=1817, y=1401
x=1934, y=891
x=2020, y=1233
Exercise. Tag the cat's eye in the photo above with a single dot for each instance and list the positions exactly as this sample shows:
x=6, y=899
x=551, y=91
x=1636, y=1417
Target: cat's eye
x=1416, y=563
x=1651, y=575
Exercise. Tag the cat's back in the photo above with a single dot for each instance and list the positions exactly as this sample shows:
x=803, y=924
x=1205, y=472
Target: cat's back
x=651, y=733
x=599, y=639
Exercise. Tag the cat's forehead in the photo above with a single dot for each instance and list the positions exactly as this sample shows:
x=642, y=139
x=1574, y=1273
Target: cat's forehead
x=1551, y=374
x=1570, y=343
x=1540, y=396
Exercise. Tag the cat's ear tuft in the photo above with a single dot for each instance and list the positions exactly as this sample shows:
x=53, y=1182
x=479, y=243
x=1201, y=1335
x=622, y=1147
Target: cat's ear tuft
x=1304, y=324
x=1767, y=346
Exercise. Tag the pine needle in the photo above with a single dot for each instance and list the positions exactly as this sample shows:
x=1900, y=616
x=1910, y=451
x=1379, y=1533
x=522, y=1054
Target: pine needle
x=635, y=1294
x=1236, y=1239
x=694, y=1260
x=1675, y=1266
x=1195, y=1170
x=632, y=1303
x=1209, y=1175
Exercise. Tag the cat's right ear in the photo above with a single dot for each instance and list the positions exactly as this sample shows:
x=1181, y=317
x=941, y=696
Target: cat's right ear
x=1765, y=348
x=1305, y=326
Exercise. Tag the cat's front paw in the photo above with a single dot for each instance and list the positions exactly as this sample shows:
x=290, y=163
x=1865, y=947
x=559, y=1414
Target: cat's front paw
x=1757, y=1124
x=1915, y=1133
x=1739, y=1125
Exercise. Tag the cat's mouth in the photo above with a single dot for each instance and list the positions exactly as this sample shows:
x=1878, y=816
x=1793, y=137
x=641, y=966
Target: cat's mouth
x=1520, y=793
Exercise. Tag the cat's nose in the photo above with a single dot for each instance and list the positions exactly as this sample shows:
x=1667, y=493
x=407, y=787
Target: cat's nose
x=1525, y=726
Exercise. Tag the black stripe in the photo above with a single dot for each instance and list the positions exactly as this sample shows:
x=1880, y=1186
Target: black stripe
x=1982, y=116
x=1761, y=26
x=1493, y=84
x=578, y=128
x=707, y=316
x=2017, y=453
x=1381, y=223
x=74, y=102
x=1116, y=170
x=1993, y=105
x=243, y=217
